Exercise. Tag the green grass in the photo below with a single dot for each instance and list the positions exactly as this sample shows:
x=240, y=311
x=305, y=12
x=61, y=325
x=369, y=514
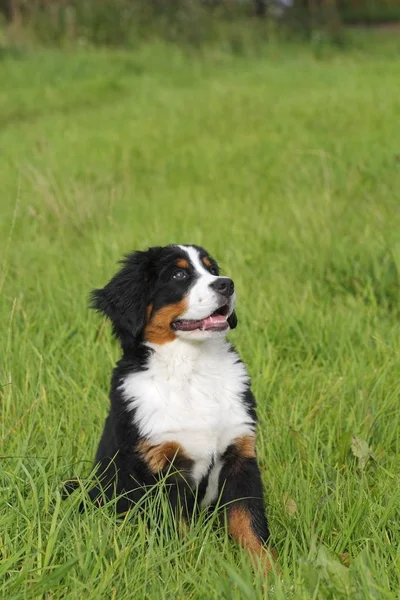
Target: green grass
x=287, y=169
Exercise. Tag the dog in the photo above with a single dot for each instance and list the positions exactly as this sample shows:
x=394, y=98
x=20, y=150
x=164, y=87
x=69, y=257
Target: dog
x=181, y=403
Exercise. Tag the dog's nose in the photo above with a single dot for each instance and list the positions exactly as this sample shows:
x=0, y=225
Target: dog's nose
x=224, y=286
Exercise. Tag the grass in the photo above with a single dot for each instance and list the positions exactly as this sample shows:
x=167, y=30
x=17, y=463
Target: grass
x=284, y=165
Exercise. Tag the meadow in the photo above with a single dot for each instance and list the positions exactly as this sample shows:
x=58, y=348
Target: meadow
x=285, y=164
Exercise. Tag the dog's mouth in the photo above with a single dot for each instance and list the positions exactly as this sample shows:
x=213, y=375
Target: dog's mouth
x=217, y=321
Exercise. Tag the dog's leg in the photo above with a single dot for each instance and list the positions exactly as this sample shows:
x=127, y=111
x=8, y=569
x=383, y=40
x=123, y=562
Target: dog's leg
x=182, y=500
x=169, y=463
x=242, y=494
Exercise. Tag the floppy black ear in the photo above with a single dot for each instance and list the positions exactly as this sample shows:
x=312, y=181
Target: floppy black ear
x=126, y=296
x=232, y=320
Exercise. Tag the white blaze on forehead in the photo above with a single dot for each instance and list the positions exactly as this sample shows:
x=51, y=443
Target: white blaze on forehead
x=194, y=257
x=202, y=299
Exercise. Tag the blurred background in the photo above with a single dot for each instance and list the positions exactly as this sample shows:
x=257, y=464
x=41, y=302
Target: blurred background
x=126, y=22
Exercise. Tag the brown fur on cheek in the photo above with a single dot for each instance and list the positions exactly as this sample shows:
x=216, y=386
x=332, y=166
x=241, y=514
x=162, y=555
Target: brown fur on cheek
x=240, y=528
x=158, y=329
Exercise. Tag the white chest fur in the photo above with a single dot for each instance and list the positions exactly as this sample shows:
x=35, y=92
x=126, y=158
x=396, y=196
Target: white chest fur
x=191, y=394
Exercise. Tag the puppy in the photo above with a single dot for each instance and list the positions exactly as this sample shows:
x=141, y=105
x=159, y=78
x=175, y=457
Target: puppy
x=181, y=404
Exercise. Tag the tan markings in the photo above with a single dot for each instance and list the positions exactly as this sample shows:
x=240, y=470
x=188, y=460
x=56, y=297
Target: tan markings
x=246, y=445
x=160, y=456
x=206, y=261
x=182, y=262
x=240, y=528
x=158, y=329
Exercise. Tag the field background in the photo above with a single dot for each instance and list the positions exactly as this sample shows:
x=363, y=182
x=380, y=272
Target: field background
x=285, y=164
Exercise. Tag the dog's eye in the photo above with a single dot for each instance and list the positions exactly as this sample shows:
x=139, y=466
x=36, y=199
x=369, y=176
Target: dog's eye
x=213, y=271
x=180, y=274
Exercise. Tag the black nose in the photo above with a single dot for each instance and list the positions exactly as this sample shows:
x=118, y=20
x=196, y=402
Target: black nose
x=224, y=286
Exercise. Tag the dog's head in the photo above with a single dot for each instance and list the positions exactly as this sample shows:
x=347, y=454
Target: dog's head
x=165, y=293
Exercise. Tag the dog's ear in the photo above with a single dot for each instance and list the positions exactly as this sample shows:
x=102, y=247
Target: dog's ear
x=125, y=298
x=232, y=320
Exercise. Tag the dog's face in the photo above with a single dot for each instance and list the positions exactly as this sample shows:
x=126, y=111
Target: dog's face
x=165, y=293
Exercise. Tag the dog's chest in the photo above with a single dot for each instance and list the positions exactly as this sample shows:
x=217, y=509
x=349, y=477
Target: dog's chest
x=192, y=396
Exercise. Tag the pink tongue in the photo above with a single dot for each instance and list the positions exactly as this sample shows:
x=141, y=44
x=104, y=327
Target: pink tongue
x=214, y=322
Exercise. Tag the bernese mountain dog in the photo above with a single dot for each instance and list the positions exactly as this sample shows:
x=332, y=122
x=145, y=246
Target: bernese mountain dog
x=180, y=394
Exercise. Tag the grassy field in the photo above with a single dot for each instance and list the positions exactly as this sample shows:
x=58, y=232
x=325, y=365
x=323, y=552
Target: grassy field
x=285, y=167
